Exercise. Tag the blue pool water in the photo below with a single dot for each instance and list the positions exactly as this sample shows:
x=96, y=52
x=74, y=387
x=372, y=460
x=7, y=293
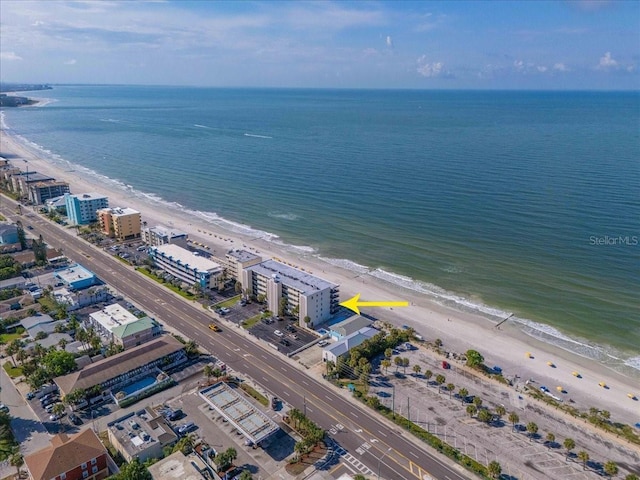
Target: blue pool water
x=139, y=385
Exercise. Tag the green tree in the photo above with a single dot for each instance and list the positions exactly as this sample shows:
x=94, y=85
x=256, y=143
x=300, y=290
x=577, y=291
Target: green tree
x=610, y=468
x=484, y=415
x=238, y=287
x=417, y=369
x=207, y=371
x=440, y=379
x=631, y=476
x=550, y=439
x=494, y=469
x=191, y=348
x=398, y=362
x=438, y=342
x=405, y=364
x=245, y=475
x=17, y=460
x=385, y=364
x=501, y=411
x=450, y=387
x=474, y=358
x=514, y=419
x=14, y=347
x=133, y=470
x=22, y=238
x=58, y=362
x=569, y=444
x=463, y=392
x=472, y=410
x=477, y=401
x=584, y=458
x=532, y=429
x=307, y=320
x=428, y=374
x=388, y=353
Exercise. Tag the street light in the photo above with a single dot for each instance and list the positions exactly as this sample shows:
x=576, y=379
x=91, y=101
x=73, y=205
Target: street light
x=380, y=460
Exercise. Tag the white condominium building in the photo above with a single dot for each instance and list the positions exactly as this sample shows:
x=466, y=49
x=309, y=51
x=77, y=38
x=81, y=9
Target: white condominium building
x=237, y=260
x=186, y=265
x=310, y=296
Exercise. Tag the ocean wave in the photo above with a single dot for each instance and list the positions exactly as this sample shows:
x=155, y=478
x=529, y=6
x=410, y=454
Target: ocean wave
x=346, y=264
x=284, y=216
x=633, y=362
x=256, y=136
x=201, y=126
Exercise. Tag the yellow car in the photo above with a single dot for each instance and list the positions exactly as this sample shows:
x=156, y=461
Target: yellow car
x=214, y=327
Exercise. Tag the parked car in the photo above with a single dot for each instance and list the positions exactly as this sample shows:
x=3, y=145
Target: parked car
x=50, y=401
x=446, y=365
x=54, y=418
x=3, y=408
x=174, y=415
x=76, y=420
x=275, y=401
x=323, y=343
x=49, y=408
x=31, y=395
x=186, y=428
x=290, y=328
x=278, y=333
x=224, y=310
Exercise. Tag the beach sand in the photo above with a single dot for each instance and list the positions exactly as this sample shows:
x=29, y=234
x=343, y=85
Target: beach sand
x=459, y=331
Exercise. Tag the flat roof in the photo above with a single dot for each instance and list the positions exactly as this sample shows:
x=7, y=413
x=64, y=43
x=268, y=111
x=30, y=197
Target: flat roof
x=292, y=277
x=74, y=273
x=163, y=231
x=113, y=316
x=138, y=431
x=187, y=257
x=254, y=424
x=177, y=466
x=120, y=212
x=242, y=255
x=88, y=196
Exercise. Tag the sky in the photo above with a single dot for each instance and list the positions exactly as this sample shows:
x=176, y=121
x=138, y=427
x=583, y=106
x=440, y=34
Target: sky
x=536, y=44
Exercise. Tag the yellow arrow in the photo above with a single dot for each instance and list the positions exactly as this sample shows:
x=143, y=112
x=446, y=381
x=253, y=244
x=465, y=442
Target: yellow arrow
x=354, y=303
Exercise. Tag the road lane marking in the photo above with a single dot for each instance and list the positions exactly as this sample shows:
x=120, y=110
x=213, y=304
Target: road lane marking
x=353, y=414
x=382, y=433
x=411, y=453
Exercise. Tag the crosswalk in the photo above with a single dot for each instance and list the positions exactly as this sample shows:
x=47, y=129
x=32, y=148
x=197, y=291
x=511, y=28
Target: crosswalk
x=353, y=461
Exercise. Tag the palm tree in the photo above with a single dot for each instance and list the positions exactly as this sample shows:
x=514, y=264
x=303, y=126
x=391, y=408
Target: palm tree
x=398, y=362
x=494, y=469
x=440, y=379
x=405, y=364
x=532, y=429
x=208, y=372
x=471, y=410
x=477, y=401
x=417, y=369
x=451, y=387
x=14, y=347
x=245, y=475
x=21, y=356
x=463, y=392
x=610, y=468
x=63, y=343
x=191, y=348
x=569, y=444
x=514, y=419
x=584, y=458
x=631, y=476
x=484, y=415
x=386, y=364
x=550, y=438
x=388, y=353
x=500, y=411
x=428, y=374
x=17, y=460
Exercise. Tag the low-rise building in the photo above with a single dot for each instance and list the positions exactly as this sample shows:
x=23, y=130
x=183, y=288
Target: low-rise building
x=179, y=466
x=236, y=260
x=161, y=235
x=20, y=181
x=76, y=299
x=342, y=347
x=82, y=208
x=119, y=223
x=111, y=373
x=186, y=265
x=70, y=457
x=300, y=291
x=76, y=277
x=116, y=324
x=141, y=435
x=345, y=328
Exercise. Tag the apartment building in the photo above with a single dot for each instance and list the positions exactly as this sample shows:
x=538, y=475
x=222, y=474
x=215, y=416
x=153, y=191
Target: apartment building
x=82, y=209
x=161, y=235
x=119, y=223
x=302, y=292
x=236, y=260
x=40, y=192
x=185, y=265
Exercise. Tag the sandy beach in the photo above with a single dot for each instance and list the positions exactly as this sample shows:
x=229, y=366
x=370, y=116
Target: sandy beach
x=459, y=331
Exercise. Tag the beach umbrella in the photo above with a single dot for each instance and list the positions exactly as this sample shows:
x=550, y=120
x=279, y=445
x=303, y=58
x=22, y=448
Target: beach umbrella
x=551, y=364
x=528, y=354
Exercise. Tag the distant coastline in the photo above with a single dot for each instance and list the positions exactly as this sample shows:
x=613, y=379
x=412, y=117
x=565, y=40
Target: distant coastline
x=7, y=99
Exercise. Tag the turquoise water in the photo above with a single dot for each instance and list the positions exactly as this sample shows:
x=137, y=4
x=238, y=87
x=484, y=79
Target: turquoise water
x=138, y=385
x=505, y=202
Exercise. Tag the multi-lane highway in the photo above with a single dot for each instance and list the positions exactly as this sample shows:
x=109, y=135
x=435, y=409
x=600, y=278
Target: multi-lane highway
x=382, y=448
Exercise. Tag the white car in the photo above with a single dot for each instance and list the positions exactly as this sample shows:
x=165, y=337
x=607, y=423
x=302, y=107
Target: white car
x=323, y=343
x=54, y=418
x=278, y=333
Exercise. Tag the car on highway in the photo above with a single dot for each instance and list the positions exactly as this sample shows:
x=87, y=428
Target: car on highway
x=214, y=327
x=285, y=342
x=278, y=333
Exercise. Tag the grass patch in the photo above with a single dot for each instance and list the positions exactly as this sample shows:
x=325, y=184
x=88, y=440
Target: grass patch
x=255, y=394
x=228, y=303
x=250, y=322
x=12, y=371
x=48, y=304
x=10, y=337
x=179, y=291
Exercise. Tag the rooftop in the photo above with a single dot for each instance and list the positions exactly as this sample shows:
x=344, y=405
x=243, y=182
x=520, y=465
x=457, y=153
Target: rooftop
x=254, y=424
x=351, y=325
x=139, y=430
x=177, y=466
x=113, y=316
x=162, y=231
x=64, y=453
x=242, y=255
x=350, y=341
x=121, y=212
x=186, y=257
x=123, y=331
x=292, y=277
x=74, y=273
x=89, y=196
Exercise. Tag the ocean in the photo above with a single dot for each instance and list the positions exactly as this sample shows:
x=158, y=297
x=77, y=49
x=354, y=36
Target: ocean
x=523, y=203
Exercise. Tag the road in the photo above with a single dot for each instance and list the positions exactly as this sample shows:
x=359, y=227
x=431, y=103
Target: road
x=359, y=430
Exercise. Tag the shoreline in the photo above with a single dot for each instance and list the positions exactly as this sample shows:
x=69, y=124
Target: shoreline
x=460, y=330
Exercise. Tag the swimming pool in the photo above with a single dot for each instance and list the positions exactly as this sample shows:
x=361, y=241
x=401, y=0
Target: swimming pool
x=138, y=385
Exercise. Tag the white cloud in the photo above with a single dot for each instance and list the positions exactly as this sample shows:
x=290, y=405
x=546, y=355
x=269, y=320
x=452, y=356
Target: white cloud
x=607, y=62
x=431, y=70
x=389, y=41
x=541, y=68
x=518, y=65
x=560, y=67
x=71, y=61
x=9, y=56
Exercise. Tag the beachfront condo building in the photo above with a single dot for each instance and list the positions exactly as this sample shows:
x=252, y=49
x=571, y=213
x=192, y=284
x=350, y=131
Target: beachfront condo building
x=292, y=291
x=161, y=235
x=187, y=266
x=40, y=192
x=236, y=260
x=119, y=223
x=82, y=209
